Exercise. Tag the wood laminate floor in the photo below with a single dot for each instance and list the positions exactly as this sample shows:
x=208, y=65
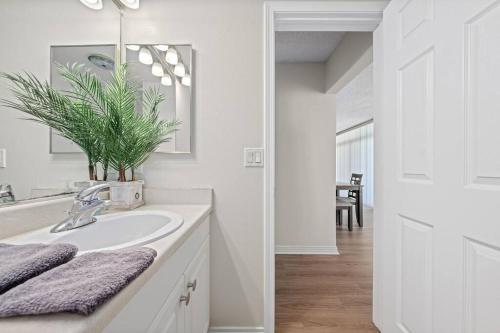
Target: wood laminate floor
x=328, y=294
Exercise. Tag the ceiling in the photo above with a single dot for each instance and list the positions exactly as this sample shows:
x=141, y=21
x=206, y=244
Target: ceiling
x=354, y=102
x=306, y=46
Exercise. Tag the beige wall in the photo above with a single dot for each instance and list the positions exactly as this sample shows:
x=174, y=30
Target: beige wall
x=305, y=161
x=350, y=57
x=228, y=96
x=227, y=38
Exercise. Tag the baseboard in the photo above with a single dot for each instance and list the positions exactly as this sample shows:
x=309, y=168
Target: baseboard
x=235, y=329
x=306, y=249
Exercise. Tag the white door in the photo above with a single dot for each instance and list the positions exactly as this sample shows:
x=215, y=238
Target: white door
x=172, y=316
x=198, y=285
x=439, y=166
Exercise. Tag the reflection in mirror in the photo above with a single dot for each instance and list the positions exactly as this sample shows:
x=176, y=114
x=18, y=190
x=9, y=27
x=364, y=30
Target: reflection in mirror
x=169, y=69
x=98, y=59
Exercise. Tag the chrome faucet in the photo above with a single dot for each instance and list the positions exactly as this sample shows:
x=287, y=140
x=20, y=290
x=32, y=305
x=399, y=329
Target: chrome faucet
x=6, y=194
x=86, y=205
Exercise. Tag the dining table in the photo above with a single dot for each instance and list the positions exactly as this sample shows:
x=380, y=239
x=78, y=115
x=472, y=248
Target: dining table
x=358, y=188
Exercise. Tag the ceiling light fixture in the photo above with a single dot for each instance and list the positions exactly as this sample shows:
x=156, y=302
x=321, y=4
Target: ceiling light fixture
x=145, y=56
x=161, y=47
x=186, y=80
x=92, y=4
x=171, y=57
x=166, y=80
x=180, y=70
x=133, y=47
x=132, y=4
x=157, y=69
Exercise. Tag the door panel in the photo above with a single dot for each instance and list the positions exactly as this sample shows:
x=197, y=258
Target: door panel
x=414, y=275
x=171, y=318
x=198, y=274
x=440, y=183
x=482, y=116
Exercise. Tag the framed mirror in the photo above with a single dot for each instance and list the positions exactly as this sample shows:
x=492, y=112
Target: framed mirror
x=167, y=68
x=99, y=59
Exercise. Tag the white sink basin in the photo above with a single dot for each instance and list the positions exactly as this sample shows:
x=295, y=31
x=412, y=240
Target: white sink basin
x=112, y=231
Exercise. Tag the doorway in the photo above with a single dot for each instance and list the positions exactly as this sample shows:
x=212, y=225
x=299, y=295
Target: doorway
x=324, y=103
x=299, y=16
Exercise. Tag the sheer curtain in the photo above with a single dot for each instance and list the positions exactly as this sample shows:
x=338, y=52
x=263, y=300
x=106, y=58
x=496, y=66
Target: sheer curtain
x=355, y=155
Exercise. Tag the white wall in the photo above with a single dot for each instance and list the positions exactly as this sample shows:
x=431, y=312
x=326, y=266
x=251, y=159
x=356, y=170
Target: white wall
x=27, y=29
x=305, y=161
x=350, y=57
x=355, y=155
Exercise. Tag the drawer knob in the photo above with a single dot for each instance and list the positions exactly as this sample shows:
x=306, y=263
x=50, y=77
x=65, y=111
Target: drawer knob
x=186, y=299
x=192, y=285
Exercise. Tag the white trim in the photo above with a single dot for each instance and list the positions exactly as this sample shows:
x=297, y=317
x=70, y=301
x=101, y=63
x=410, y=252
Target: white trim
x=269, y=167
x=299, y=16
x=306, y=249
x=235, y=329
x=339, y=21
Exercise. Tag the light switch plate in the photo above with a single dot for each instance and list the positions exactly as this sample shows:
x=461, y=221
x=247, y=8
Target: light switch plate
x=3, y=158
x=253, y=157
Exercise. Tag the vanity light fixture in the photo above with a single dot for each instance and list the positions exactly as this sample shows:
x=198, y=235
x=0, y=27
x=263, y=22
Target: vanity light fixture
x=133, y=47
x=166, y=80
x=132, y=4
x=145, y=56
x=92, y=4
x=186, y=80
x=180, y=70
x=171, y=57
x=157, y=69
x=97, y=4
x=161, y=47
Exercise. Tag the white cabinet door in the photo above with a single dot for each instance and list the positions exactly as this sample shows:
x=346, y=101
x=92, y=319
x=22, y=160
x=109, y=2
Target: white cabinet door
x=198, y=285
x=439, y=135
x=172, y=316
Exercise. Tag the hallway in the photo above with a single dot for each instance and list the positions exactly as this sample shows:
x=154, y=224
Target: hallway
x=328, y=294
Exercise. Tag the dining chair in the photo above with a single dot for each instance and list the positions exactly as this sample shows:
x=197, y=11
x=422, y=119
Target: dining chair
x=353, y=196
x=344, y=205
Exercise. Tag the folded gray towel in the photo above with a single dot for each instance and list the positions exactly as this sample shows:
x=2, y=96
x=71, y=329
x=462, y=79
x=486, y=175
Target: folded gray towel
x=78, y=286
x=19, y=263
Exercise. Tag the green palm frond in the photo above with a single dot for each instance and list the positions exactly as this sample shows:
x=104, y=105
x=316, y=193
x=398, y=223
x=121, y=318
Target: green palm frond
x=101, y=118
x=72, y=120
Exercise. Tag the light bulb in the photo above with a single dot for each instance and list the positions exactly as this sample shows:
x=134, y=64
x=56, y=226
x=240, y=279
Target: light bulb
x=171, y=57
x=145, y=56
x=186, y=80
x=161, y=47
x=132, y=4
x=166, y=80
x=92, y=4
x=157, y=69
x=133, y=47
x=180, y=70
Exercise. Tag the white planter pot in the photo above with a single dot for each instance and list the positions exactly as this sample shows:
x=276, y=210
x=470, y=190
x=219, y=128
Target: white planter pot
x=126, y=195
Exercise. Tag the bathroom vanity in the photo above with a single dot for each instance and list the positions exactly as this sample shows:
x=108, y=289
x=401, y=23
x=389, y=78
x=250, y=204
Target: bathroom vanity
x=172, y=295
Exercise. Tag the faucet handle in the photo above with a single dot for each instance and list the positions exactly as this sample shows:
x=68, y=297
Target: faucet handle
x=6, y=191
x=5, y=188
x=91, y=193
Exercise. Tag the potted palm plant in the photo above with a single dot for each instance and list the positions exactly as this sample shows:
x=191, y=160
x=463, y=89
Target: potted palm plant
x=101, y=118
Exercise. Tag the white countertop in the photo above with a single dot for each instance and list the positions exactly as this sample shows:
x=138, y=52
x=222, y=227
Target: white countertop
x=65, y=322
